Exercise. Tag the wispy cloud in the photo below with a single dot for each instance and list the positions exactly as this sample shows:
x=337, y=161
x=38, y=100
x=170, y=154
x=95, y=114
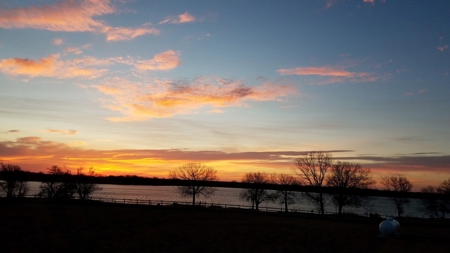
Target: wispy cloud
x=182, y=18
x=442, y=48
x=11, y=131
x=76, y=50
x=410, y=94
x=71, y=16
x=162, y=61
x=50, y=66
x=330, y=3
x=335, y=74
x=70, y=131
x=127, y=33
x=163, y=98
x=58, y=41
x=86, y=67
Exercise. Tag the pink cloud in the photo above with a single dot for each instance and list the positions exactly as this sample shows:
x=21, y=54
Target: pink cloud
x=124, y=33
x=330, y=3
x=163, y=99
x=186, y=18
x=73, y=50
x=369, y=1
x=162, y=61
x=71, y=16
x=58, y=42
x=182, y=18
x=335, y=74
x=321, y=71
x=442, y=48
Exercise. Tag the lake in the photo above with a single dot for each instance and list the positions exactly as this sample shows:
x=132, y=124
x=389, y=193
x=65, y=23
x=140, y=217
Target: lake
x=230, y=196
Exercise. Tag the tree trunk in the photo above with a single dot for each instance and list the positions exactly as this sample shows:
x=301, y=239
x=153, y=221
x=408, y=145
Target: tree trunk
x=193, y=199
x=322, y=208
x=285, y=203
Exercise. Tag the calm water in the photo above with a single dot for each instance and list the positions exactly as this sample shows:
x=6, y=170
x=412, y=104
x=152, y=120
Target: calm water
x=230, y=196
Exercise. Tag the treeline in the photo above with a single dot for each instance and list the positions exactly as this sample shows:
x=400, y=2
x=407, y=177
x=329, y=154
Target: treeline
x=316, y=174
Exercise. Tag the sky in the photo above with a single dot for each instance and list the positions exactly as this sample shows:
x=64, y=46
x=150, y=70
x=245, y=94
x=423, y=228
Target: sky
x=134, y=87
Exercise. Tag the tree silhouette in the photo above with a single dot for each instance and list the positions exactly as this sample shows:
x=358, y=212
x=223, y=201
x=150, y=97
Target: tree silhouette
x=283, y=193
x=312, y=168
x=398, y=185
x=195, y=177
x=58, y=184
x=255, y=190
x=436, y=200
x=83, y=183
x=13, y=182
x=347, y=178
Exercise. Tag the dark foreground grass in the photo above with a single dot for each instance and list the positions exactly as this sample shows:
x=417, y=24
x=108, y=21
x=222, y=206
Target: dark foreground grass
x=42, y=226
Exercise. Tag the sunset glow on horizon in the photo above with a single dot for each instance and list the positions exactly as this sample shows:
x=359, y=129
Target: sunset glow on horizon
x=142, y=87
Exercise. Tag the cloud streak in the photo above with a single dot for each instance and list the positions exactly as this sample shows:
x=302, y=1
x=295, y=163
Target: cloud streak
x=180, y=19
x=86, y=67
x=334, y=74
x=71, y=16
x=162, y=98
x=50, y=66
x=58, y=131
x=36, y=154
x=162, y=61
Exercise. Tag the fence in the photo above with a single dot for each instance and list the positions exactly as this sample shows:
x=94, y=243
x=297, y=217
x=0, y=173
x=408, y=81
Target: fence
x=183, y=203
x=186, y=203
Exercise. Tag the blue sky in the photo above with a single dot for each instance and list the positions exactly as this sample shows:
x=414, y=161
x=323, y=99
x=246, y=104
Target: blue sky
x=141, y=87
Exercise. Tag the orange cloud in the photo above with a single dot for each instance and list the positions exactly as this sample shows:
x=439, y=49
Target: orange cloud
x=162, y=61
x=70, y=16
x=167, y=98
x=182, y=18
x=50, y=66
x=335, y=74
x=36, y=154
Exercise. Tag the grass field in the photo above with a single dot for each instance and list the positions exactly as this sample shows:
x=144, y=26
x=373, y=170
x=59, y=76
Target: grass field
x=42, y=226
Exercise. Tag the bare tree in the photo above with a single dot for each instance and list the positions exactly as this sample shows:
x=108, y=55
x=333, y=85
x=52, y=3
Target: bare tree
x=399, y=185
x=255, y=191
x=13, y=182
x=195, y=177
x=84, y=185
x=444, y=191
x=436, y=200
x=284, y=193
x=312, y=169
x=58, y=184
x=347, y=178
